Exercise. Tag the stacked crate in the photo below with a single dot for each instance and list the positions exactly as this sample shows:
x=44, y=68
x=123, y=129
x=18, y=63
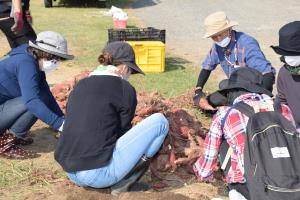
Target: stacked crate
x=148, y=45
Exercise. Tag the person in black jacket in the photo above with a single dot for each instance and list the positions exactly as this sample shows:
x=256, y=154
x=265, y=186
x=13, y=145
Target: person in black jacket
x=288, y=79
x=98, y=147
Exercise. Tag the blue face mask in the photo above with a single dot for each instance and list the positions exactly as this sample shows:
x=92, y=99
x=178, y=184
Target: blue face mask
x=224, y=42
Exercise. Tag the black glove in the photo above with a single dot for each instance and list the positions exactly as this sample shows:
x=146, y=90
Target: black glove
x=198, y=95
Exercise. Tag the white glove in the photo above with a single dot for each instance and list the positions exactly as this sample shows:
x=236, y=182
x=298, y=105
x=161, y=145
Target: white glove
x=61, y=127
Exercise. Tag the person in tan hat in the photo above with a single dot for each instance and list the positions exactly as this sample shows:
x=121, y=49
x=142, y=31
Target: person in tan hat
x=24, y=92
x=231, y=49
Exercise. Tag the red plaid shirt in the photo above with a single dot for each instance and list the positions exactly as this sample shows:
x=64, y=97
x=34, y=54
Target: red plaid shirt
x=234, y=130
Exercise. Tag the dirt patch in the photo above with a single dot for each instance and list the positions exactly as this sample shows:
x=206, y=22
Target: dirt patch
x=65, y=191
x=172, y=167
x=169, y=179
x=4, y=45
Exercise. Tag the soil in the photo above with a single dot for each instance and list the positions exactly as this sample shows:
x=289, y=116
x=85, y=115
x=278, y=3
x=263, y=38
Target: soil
x=177, y=184
x=168, y=179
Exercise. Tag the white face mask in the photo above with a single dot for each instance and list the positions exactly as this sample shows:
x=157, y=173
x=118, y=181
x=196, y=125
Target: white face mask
x=49, y=65
x=224, y=42
x=292, y=60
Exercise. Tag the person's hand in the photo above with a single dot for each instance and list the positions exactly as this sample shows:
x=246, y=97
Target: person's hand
x=28, y=16
x=19, y=23
x=203, y=104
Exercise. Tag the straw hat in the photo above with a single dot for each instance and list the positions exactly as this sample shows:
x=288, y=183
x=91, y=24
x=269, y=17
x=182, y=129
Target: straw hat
x=53, y=43
x=216, y=23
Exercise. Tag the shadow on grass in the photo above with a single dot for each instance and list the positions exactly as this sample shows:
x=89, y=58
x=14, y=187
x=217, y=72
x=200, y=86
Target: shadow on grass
x=145, y=3
x=94, y=3
x=175, y=63
x=135, y=4
x=44, y=140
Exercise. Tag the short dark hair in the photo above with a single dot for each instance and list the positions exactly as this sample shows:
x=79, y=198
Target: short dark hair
x=38, y=54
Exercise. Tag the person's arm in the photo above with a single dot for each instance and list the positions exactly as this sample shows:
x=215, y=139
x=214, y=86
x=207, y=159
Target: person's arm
x=205, y=165
x=18, y=15
x=280, y=97
x=202, y=79
x=52, y=101
x=209, y=64
x=127, y=110
x=17, y=5
x=268, y=81
x=255, y=58
x=29, y=79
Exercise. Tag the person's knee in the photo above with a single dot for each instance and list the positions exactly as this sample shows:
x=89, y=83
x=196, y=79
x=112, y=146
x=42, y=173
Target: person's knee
x=161, y=121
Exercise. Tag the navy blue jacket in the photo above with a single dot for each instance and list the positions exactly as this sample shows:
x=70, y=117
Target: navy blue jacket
x=20, y=76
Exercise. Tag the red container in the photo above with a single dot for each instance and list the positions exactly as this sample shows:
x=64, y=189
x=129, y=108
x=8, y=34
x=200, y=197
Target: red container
x=120, y=23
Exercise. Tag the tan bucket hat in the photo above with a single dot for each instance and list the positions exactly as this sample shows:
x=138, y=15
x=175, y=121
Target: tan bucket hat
x=217, y=22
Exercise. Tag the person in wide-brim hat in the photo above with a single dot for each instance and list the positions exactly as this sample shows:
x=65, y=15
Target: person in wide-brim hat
x=217, y=23
x=52, y=43
x=289, y=40
x=25, y=95
x=231, y=49
x=244, y=79
x=288, y=79
x=243, y=90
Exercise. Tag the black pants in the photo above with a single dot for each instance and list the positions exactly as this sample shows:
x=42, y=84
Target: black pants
x=13, y=39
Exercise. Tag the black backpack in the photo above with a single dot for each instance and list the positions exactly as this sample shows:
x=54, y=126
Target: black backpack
x=271, y=155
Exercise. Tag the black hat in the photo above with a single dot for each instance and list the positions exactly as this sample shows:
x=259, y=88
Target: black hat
x=122, y=53
x=289, y=40
x=244, y=78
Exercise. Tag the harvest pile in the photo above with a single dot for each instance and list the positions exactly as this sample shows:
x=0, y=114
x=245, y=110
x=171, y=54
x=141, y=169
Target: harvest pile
x=183, y=145
x=62, y=90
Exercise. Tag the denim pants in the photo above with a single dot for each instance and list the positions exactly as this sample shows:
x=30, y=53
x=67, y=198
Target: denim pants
x=15, y=117
x=143, y=139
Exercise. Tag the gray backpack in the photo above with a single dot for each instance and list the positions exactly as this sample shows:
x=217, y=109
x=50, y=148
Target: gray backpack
x=271, y=155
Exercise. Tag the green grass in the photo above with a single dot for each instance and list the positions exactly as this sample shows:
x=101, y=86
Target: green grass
x=86, y=32
x=178, y=77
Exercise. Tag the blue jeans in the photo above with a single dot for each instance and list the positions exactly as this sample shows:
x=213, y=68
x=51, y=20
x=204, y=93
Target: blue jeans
x=143, y=139
x=15, y=117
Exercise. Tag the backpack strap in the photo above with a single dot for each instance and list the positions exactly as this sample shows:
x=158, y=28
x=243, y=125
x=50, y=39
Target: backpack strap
x=248, y=111
x=240, y=106
x=277, y=105
x=245, y=109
